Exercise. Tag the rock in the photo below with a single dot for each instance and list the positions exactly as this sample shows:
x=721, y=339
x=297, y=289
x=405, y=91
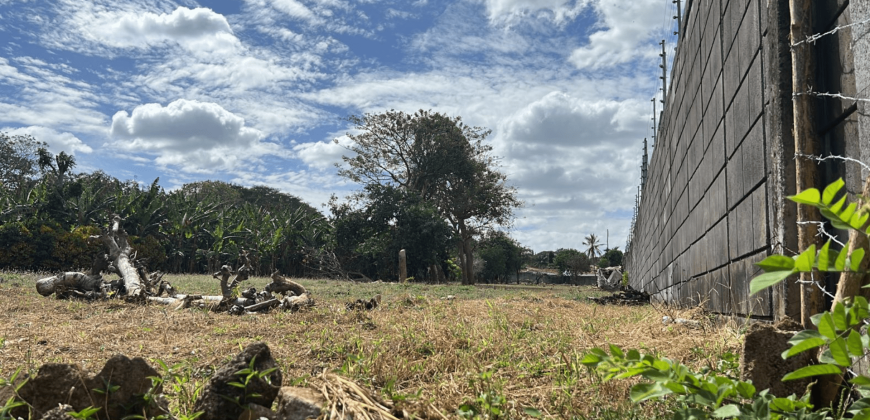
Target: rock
x=54, y=384
x=59, y=413
x=761, y=361
x=126, y=380
x=257, y=412
x=296, y=403
x=218, y=399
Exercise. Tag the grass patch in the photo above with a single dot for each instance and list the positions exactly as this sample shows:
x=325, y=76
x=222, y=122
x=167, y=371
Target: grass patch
x=490, y=351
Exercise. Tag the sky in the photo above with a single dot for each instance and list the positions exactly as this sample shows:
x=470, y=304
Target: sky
x=255, y=92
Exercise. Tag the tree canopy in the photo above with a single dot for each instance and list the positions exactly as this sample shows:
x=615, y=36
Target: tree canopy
x=445, y=162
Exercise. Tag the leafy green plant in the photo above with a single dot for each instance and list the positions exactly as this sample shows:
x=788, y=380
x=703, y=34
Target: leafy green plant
x=84, y=414
x=246, y=376
x=713, y=395
x=489, y=404
x=700, y=396
x=13, y=401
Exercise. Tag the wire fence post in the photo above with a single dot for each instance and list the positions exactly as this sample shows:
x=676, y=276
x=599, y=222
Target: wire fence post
x=664, y=66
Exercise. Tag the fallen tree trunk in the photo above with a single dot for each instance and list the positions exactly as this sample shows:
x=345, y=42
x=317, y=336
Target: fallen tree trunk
x=119, y=253
x=91, y=281
x=69, y=280
x=282, y=285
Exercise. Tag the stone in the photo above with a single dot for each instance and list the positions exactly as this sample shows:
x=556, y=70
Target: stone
x=54, y=384
x=258, y=412
x=59, y=413
x=761, y=360
x=296, y=403
x=130, y=379
x=218, y=399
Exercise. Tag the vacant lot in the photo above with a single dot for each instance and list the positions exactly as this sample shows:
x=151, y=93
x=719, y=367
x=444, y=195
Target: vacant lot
x=513, y=347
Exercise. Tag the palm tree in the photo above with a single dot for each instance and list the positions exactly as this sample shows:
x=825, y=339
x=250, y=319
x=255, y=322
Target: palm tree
x=592, y=243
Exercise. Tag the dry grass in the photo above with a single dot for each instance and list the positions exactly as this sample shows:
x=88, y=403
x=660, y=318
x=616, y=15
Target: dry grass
x=428, y=355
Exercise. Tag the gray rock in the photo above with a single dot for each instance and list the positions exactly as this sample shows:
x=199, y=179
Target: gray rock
x=54, y=384
x=258, y=412
x=58, y=413
x=129, y=379
x=221, y=401
x=299, y=403
x=125, y=380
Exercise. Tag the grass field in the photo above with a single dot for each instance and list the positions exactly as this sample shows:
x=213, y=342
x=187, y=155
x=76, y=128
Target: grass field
x=510, y=348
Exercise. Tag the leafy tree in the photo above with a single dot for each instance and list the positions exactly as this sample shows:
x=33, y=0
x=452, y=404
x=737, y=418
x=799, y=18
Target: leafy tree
x=387, y=219
x=18, y=162
x=571, y=261
x=443, y=161
x=501, y=255
x=611, y=258
x=592, y=244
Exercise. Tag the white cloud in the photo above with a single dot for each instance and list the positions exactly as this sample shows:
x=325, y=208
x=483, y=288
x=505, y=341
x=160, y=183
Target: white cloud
x=561, y=120
x=627, y=25
x=198, y=136
x=57, y=142
x=197, y=29
x=293, y=8
x=320, y=154
x=508, y=11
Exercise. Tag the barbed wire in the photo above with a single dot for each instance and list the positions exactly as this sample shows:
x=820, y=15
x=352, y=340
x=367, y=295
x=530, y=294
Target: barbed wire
x=824, y=158
x=815, y=37
x=822, y=233
x=828, y=95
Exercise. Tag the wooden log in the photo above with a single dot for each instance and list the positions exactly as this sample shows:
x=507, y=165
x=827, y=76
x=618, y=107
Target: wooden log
x=269, y=304
x=294, y=303
x=804, y=138
x=283, y=285
x=119, y=252
x=69, y=280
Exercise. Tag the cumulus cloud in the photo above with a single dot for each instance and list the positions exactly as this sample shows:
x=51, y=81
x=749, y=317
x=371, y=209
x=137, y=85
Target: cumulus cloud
x=322, y=154
x=196, y=29
x=200, y=136
x=57, y=142
x=561, y=120
x=626, y=25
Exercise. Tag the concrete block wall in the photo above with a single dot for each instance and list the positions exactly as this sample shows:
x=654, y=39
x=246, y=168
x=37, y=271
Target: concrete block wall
x=704, y=216
x=715, y=200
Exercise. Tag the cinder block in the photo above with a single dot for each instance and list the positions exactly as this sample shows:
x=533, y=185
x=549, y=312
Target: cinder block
x=741, y=114
x=734, y=180
x=754, y=159
x=730, y=131
x=733, y=235
x=755, y=90
x=761, y=301
x=744, y=226
x=749, y=37
x=759, y=217
x=719, y=243
x=728, y=28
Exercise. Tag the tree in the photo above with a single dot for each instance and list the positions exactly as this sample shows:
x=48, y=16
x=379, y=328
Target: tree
x=18, y=162
x=571, y=261
x=443, y=161
x=592, y=243
x=611, y=258
x=501, y=255
x=385, y=220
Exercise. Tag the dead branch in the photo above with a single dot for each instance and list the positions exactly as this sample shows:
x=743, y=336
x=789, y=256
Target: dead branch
x=283, y=285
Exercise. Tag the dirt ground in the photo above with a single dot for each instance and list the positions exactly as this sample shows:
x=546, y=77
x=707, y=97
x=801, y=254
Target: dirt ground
x=419, y=348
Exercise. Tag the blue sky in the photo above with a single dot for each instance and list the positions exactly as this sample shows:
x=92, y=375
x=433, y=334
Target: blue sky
x=254, y=92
